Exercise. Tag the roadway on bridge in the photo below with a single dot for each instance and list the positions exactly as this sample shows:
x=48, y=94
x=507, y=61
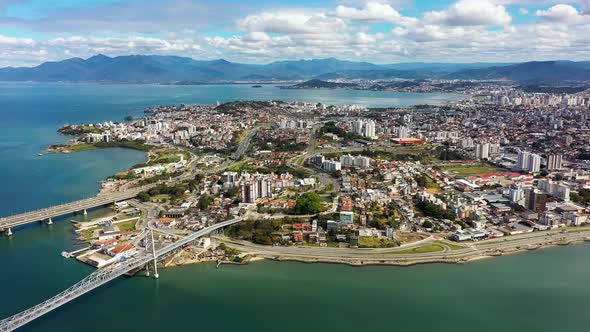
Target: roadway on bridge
x=103, y=276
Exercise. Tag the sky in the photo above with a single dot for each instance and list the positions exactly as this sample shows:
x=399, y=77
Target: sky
x=255, y=31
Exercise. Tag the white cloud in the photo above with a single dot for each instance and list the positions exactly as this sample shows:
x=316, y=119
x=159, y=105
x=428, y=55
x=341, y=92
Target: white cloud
x=470, y=13
x=523, y=11
x=372, y=12
x=15, y=42
x=292, y=23
x=561, y=13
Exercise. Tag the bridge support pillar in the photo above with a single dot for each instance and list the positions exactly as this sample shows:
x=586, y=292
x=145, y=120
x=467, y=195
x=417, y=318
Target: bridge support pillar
x=9, y=231
x=49, y=221
x=85, y=212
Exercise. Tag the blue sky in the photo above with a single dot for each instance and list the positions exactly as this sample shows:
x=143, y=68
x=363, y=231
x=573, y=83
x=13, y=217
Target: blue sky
x=256, y=31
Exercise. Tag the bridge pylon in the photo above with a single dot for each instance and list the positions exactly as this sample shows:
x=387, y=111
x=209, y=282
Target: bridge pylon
x=9, y=231
x=156, y=275
x=49, y=221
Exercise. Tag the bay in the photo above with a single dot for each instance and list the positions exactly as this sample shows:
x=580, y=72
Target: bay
x=537, y=291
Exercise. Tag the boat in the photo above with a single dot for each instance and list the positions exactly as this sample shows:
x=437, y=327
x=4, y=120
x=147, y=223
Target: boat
x=40, y=154
x=257, y=86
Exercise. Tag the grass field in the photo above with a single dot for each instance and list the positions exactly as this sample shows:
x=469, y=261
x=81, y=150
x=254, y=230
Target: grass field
x=419, y=250
x=471, y=169
x=451, y=245
x=371, y=242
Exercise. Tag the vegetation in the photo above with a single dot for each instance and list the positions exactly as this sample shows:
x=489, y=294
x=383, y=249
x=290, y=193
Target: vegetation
x=426, y=181
x=373, y=242
x=176, y=192
x=157, y=178
x=331, y=127
x=79, y=130
x=308, y=203
x=435, y=211
x=257, y=231
x=583, y=196
x=470, y=169
x=205, y=202
x=419, y=250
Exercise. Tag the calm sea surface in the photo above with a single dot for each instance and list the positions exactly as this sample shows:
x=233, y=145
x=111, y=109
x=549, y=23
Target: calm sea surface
x=538, y=291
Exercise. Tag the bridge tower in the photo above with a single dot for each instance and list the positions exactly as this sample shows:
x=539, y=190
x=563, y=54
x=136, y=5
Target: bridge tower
x=9, y=231
x=49, y=221
x=156, y=276
x=153, y=265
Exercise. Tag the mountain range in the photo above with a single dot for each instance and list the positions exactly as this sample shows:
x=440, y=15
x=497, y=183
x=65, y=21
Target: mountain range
x=174, y=69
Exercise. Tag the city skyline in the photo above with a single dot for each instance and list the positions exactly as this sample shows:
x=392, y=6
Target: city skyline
x=377, y=31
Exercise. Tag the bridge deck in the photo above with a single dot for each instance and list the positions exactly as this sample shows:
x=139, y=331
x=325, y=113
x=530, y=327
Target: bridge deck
x=59, y=210
x=101, y=277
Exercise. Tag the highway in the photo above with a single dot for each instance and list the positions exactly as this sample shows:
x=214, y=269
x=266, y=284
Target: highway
x=471, y=250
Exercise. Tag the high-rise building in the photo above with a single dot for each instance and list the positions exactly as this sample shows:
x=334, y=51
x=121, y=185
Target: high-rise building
x=554, y=162
x=347, y=160
x=403, y=132
x=249, y=190
x=362, y=162
x=369, y=129
x=482, y=151
x=534, y=164
x=357, y=127
x=331, y=165
x=523, y=160
x=536, y=200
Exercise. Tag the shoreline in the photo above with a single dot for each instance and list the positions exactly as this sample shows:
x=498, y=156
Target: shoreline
x=457, y=258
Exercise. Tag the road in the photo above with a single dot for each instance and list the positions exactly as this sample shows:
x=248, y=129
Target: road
x=472, y=250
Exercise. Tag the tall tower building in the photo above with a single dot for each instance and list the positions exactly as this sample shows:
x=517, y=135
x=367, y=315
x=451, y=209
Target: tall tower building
x=534, y=163
x=554, y=162
x=482, y=151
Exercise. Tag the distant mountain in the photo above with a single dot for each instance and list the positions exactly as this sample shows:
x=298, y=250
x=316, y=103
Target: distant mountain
x=319, y=84
x=376, y=74
x=537, y=72
x=440, y=67
x=182, y=70
x=169, y=69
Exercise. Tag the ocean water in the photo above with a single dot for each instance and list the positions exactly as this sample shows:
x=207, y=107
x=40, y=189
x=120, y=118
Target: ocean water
x=543, y=290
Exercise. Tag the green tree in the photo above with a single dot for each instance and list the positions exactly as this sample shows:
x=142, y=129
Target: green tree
x=205, y=202
x=308, y=203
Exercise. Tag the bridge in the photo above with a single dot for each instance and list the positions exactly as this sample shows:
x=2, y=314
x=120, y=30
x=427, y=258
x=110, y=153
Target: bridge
x=103, y=276
x=6, y=223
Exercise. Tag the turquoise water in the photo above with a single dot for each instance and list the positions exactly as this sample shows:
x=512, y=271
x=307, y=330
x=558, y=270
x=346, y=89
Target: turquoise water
x=537, y=291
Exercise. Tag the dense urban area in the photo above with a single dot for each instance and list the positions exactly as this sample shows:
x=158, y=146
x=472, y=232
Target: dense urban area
x=502, y=170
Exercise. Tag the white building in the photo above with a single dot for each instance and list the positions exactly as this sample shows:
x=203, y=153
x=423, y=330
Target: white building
x=554, y=162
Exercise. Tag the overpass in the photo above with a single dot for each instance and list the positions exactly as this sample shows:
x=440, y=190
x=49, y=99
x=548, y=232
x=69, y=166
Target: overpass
x=6, y=223
x=103, y=276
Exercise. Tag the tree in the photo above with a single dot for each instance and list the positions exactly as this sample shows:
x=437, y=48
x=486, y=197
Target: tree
x=308, y=203
x=129, y=118
x=427, y=224
x=205, y=202
x=143, y=196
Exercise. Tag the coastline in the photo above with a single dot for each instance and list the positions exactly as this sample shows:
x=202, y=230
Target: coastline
x=463, y=256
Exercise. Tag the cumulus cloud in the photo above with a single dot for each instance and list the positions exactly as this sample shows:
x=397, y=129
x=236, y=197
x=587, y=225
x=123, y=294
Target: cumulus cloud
x=561, y=13
x=461, y=32
x=470, y=13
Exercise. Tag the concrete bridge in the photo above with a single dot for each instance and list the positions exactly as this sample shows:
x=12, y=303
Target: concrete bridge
x=102, y=276
x=45, y=214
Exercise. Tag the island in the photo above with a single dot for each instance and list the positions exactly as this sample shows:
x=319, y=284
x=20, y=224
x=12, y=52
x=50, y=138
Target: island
x=338, y=183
